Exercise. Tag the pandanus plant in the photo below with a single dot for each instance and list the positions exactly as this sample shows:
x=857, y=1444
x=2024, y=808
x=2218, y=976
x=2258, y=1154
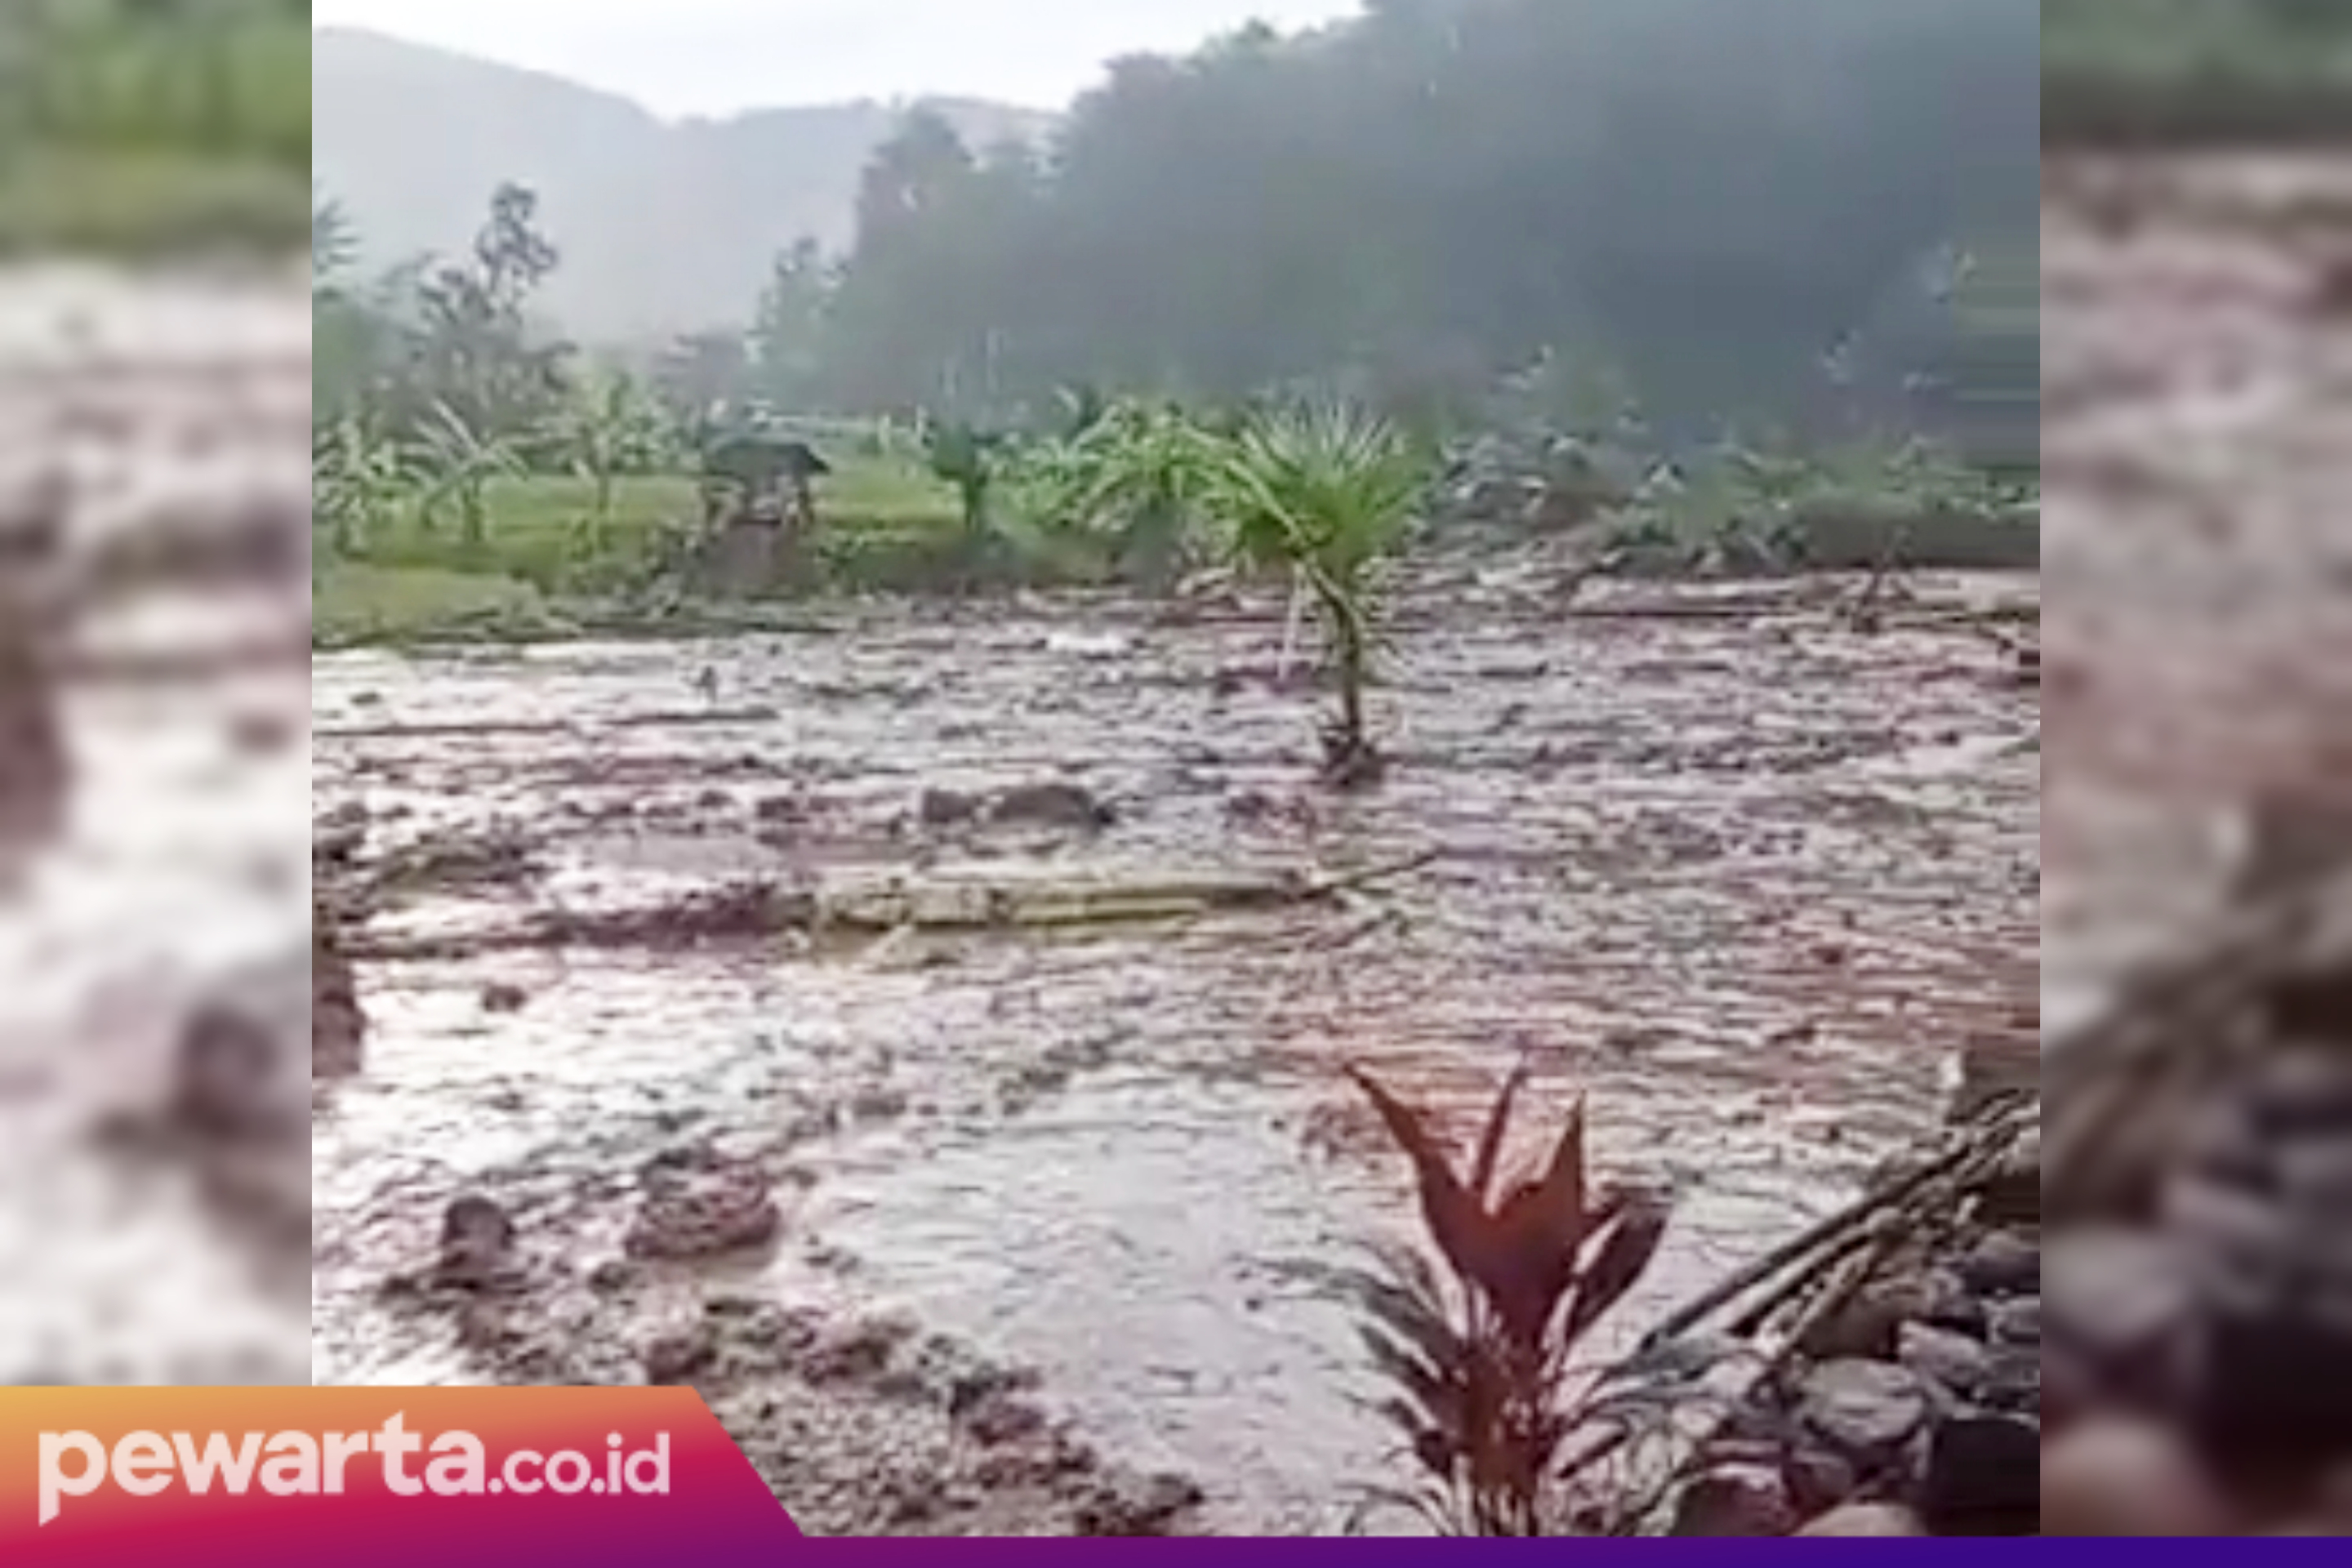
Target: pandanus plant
x=1492, y=1389
x=1325, y=493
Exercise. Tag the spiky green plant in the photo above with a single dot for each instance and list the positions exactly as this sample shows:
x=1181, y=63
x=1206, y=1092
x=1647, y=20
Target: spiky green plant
x=1325, y=492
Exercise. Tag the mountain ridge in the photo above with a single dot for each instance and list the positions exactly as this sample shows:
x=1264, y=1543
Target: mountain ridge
x=666, y=226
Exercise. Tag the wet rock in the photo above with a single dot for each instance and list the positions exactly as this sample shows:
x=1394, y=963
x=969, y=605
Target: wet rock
x=855, y=1353
x=1869, y=1327
x=2017, y=1322
x=701, y=1207
x=1947, y=1359
x=2120, y=1310
x=1001, y=1418
x=1143, y=1505
x=944, y=808
x=338, y=1026
x=2013, y=1381
x=1866, y=1518
x=1869, y=1410
x=1744, y=1500
x=1818, y=1480
x=1053, y=805
x=504, y=998
x=477, y=1244
x=677, y=1356
x=613, y=1276
x=2001, y=1264
x=230, y=1065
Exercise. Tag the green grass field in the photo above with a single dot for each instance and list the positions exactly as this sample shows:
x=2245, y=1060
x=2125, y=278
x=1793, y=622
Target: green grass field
x=154, y=130
x=878, y=521
x=2160, y=72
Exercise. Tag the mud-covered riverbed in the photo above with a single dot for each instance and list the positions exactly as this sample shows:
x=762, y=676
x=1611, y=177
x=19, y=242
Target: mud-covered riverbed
x=153, y=717
x=2196, y=342
x=1747, y=879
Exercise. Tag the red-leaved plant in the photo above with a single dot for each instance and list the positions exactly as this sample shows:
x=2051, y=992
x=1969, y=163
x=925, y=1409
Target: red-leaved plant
x=1502, y=1417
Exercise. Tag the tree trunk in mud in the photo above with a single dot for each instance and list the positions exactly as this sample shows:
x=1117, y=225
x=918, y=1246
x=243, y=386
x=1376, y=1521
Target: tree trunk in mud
x=1350, y=760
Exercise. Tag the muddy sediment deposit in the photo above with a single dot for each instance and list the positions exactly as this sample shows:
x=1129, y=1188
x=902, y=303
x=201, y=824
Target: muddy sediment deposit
x=2196, y=352
x=1744, y=873
x=154, y=1156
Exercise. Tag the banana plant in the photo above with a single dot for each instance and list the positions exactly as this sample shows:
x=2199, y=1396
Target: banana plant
x=607, y=430
x=356, y=479
x=1138, y=473
x=969, y=459
x=459, y=464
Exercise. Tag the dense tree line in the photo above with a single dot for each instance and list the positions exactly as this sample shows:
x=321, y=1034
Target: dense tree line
x=1743, y=208
x=1777, y=212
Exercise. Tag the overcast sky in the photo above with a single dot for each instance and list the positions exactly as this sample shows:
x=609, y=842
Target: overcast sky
x=713, y=57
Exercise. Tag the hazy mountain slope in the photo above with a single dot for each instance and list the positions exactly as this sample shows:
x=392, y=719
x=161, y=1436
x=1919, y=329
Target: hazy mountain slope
x=665, y=227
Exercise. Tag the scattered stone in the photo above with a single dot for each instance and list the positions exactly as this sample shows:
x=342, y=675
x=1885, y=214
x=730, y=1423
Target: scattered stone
x=1869, y=1410
x=942, y=808
x=999, y=1419
x=1143, y=1505
x=1051, y=804
x=613, y=1276
x=675, y=1357
x=2121, y=1305
x=2017, y=1322
x=1866, y=1518
x=701, y=1207
x=1949, y=1360
x=504, y=997
x=228, y=1072
x=2002, y=1264
x=1868, y=1326
x=478, y=1245
x=1742, y=1500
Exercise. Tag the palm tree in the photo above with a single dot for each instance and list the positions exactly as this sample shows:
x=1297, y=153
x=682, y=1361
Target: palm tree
x=1324, y=493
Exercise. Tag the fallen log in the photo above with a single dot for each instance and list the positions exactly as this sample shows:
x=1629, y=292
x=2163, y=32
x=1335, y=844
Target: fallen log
x=948, y=906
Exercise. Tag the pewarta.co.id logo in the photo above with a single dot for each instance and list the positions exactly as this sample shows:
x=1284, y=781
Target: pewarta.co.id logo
x=75, y=1465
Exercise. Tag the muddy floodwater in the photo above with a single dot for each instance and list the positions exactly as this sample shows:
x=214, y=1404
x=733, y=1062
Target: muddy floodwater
x=151, y=830
x=2197, y=345
x=1747, y=879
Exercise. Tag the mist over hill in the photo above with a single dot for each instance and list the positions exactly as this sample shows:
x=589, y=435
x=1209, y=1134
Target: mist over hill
x=665, y=226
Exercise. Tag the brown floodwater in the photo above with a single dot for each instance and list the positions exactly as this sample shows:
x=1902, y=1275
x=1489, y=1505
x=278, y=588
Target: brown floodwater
x=151, y=414
x=2197, y=347
x=1746, y=881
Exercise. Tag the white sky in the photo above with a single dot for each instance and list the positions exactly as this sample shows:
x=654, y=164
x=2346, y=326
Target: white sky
x=715, y=57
